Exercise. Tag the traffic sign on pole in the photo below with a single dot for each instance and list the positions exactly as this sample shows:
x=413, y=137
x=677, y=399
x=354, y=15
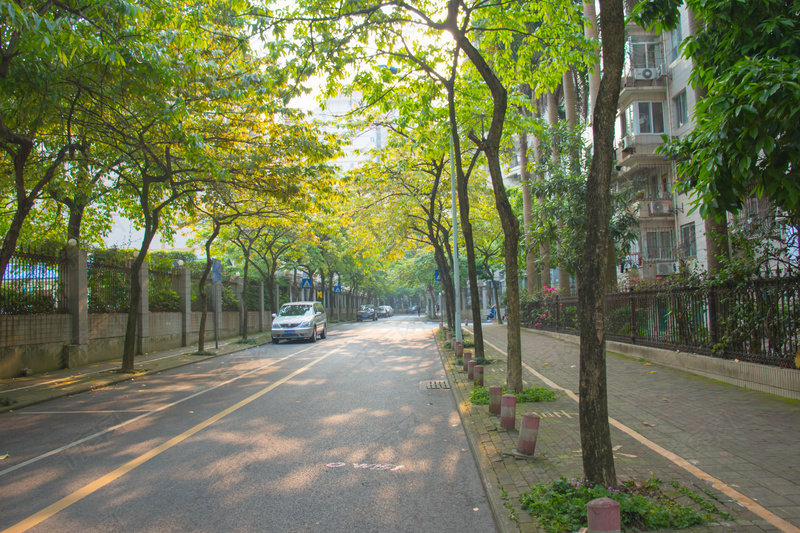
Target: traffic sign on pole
x=306, y=284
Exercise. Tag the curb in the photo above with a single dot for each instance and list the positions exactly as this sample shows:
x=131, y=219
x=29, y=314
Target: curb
x=485, y=470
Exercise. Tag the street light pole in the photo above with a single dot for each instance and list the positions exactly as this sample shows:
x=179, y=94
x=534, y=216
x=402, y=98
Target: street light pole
x=456, y=273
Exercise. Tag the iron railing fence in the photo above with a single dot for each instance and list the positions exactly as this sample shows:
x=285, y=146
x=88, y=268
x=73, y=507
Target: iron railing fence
x=109, y=285
x=229, y=300
x=757, y=320
x=35, y=282
x=162, y=290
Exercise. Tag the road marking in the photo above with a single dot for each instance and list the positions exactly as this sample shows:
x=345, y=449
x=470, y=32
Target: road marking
x=98, y=484
x=144, y=415
x=737, y=496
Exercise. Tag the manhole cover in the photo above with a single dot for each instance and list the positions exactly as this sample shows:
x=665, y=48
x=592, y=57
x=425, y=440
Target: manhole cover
x=435, y=384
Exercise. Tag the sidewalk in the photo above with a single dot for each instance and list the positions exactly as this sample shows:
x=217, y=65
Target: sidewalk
x=724, y=442
x=21, y=392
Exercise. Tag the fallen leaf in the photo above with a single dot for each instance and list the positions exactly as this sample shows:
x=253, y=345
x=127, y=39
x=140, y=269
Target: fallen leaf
x=627, y=455
x=546, y=364
x=648, y=425
x=648, y=364
x=617, y=447
x=652, y=371
x=6, y=456
x=664, y=400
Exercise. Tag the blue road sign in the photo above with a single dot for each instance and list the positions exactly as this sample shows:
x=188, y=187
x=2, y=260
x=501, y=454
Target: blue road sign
x=306, y=283
x=216, y=270
x=337, y=289
x=436, y=275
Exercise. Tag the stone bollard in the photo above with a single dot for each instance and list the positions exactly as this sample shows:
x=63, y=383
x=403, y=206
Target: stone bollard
x=467, y=359
x=494, y=399
x=529, y=427
x=603, y=515
x=471, y=369
x=478, y=373
x=466, y=322
x=441, y=326
x=459, y=350
x=449, y=335
x=508, y=411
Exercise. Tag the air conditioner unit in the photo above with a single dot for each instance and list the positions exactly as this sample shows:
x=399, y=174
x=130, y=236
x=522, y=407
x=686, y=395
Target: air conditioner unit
x=665, y=269
x=661, y=72
x=644, y=73
x=627, y=142
x=659, y=208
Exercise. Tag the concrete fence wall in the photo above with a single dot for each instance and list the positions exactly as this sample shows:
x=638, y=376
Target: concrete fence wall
x=50, y=342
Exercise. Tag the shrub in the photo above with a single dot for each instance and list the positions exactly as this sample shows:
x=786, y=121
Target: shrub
x=480, y=395
x=561, y=506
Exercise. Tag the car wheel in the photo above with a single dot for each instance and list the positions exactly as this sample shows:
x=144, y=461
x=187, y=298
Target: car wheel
x=276, y=341
x=314, y=335
x=324, y=332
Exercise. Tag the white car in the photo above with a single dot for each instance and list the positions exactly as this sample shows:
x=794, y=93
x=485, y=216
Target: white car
x=300, y=320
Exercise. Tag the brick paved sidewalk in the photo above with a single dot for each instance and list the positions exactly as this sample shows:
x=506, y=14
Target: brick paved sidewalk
x=666, y=423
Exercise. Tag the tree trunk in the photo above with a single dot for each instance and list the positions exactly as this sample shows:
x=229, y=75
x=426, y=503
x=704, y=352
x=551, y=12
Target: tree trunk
x=598, y=459
x=466, y=227
x=527, y=213
x=544, y=247
x=555, y=157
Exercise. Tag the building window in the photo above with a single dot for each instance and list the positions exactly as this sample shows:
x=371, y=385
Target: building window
x=688, y=240
x=681, y=108
x=659, y=245
x=645, y=55
x=675, y=38
x=651, y=117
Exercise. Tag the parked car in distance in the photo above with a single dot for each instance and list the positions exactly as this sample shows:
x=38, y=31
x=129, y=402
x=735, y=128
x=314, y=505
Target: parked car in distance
x=383, y=311
x=366, y=312
x=300, y=320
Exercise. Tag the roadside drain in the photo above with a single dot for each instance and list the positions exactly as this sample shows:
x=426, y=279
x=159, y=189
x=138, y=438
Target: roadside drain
x=434, y=384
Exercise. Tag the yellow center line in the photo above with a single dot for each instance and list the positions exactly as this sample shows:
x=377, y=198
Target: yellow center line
x=737, y=496
x=81, y=493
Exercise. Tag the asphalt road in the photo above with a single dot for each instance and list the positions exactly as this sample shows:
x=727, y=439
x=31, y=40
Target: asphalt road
x=334, y=436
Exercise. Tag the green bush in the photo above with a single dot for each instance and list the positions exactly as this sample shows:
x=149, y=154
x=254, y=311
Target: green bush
x=480, y=395
x=561, y=506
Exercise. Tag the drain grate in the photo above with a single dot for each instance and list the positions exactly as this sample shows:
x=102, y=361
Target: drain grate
x=436, y=384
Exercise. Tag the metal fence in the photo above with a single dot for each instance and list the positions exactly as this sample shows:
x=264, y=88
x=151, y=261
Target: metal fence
x=35, y=282
x=162, y=293
x=757, y=320
x=109, y=286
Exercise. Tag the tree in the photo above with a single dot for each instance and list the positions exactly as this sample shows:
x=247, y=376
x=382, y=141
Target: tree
x=598, y=459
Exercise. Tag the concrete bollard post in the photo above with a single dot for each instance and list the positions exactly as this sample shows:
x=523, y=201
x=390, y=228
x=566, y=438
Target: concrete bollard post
x=478, y=373
x=441, y=326
x=467, y=359
x=494, y=399
x=508, y=411
x=529, y=428
x=466, y=322
x=603, y=515
x=459, y=349
x=471, y=369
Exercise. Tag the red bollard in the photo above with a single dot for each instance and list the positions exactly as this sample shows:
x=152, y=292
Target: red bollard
x=478, y=372
x=494, y=399
x=471, y=369
x=467, y=358
x=508, y=411
x=527, y=434
x=459, y=348
x=603, y=515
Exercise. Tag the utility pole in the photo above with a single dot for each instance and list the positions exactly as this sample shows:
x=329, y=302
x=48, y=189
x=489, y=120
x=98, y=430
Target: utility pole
x=456, y=273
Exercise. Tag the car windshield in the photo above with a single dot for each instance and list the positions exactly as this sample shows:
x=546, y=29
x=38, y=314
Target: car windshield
x=296, y=310
x=366, y=308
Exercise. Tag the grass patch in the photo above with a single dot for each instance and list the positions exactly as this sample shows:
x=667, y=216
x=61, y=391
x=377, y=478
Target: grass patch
x=480, y=395
x=7, y=400
x=247, y=341
x=560, y=506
